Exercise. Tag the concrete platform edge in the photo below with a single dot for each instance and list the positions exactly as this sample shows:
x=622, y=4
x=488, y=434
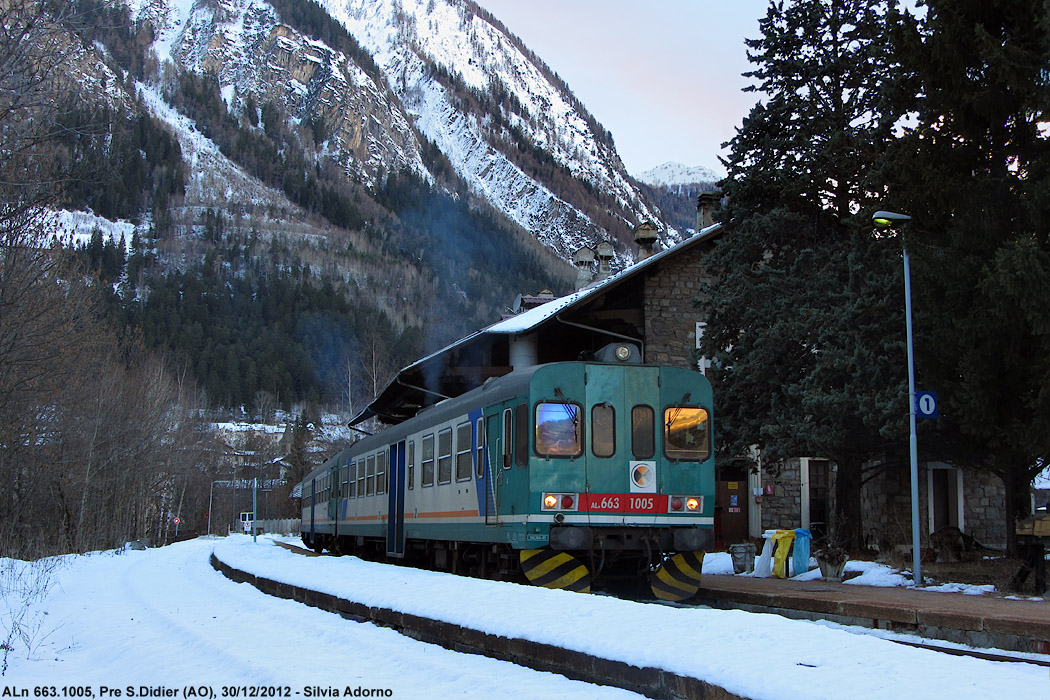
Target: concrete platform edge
x=1009, y=634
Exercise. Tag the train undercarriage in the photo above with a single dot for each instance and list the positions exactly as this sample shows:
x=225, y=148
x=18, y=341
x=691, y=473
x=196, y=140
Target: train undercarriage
x=669, y=560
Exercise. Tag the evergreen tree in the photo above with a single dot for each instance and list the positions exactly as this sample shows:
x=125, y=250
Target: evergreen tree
x=806, y=322
x=974, y=172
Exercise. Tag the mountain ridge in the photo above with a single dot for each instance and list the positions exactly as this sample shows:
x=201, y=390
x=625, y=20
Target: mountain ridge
x=672, y=173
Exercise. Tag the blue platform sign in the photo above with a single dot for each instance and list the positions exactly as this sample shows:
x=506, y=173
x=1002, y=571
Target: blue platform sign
x=926, y=404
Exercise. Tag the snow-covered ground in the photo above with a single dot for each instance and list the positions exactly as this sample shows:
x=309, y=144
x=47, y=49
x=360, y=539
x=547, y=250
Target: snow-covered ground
x=163, y=617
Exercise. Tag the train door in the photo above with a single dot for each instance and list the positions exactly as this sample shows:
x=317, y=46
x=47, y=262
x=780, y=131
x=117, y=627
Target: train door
x=482, y=473
x=493, y=464
x=509, y=436
x=313, y=508
x=621, y=409
x=395, y=524
x=334, y=499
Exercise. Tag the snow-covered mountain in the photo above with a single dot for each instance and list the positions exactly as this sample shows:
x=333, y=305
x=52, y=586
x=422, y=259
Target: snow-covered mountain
x=409, y=37
x=674, y=189
x=671, y=174
x=438, y=74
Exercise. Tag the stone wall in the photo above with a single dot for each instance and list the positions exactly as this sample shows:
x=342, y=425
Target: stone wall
x=670, y=309
x=782, y=510
x=886, y=502
x=985, y=500
x=886, y=508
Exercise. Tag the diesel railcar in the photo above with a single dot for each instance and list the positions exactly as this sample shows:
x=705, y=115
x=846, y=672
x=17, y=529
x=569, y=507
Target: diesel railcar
x=568, y=473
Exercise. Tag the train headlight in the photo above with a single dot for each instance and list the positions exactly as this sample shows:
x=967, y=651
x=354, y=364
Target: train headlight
x=560, y=501
x=623, y=353
x=676, y=503
x=692, y=504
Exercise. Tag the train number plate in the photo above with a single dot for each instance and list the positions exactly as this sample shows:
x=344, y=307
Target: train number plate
x=623, y=503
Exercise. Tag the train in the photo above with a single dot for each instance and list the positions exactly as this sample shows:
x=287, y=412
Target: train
x=566, y=475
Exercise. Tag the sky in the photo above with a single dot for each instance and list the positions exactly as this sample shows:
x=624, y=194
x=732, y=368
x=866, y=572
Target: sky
x=164, y=617
x=664, y=76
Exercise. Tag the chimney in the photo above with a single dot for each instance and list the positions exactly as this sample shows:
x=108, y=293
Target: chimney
x=583, y=259
x=605, y=252
x=705, y=205
x=645, y=237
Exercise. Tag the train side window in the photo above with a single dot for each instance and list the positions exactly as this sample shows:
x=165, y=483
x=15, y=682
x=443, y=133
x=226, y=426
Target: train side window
x=464, y=452
x=603, y=430
x=558, y=432
x=361, y=478
x=479, y=458
x=687, y=433
x=521, y=433
x=445, y=456
x=508, y=437
x=428, y=460
x=411, y=464
x=643, y=432
x=352, y=485
x=381, y=464
x=344, y=489
x=370, y=475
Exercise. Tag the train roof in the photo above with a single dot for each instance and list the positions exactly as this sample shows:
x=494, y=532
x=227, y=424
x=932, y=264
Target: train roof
x=493, y=391
x=470, y=361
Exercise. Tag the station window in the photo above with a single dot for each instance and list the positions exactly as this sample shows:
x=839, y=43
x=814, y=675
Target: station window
x=445, y=456
x=603, y=430
x=558, y=431
x=370, y=475
x=464, y=449
x=479, y=458
x=687, y=433
x=381, y=464
x=411, y=464
x=643, y=432
x=428, y=460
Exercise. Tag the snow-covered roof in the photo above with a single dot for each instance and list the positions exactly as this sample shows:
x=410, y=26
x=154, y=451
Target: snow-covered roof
x=532, y=318
x=392, y=403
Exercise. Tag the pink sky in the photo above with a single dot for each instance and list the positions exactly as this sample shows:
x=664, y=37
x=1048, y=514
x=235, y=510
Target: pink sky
x=662, y=75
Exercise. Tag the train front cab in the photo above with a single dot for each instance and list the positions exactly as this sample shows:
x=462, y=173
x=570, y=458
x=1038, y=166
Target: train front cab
x=615, y=478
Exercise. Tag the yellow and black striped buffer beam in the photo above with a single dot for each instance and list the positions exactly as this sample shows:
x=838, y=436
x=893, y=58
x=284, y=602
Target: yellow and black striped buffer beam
x=550, y=569
x=678, y=577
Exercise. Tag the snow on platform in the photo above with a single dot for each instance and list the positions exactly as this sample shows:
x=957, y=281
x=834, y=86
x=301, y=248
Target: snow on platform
x=753, y=655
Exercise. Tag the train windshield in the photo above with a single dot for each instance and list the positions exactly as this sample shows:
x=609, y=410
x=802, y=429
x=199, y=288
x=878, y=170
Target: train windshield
x=687, y=433
x=558, y=431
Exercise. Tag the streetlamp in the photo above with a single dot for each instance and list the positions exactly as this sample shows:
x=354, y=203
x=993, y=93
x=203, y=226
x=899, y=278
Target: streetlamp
x=884, y=220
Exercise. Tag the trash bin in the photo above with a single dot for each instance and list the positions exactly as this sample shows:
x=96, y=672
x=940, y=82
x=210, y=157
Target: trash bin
x=800, y=557
x=783, y=540
x=743, y=557
x=763, y=566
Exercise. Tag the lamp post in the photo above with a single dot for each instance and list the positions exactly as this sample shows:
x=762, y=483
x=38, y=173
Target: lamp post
x=884, y=220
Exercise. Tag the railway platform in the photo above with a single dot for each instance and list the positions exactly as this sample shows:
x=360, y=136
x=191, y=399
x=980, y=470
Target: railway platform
x=975, y=620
